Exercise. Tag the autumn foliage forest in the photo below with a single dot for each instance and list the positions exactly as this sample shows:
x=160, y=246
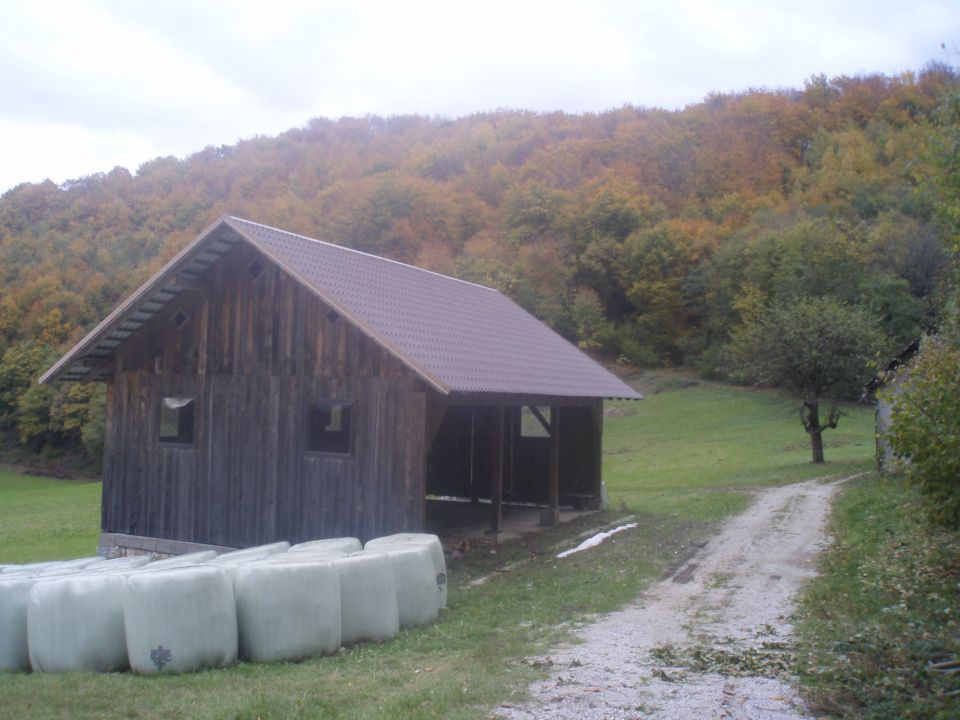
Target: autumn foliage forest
x=641, y=234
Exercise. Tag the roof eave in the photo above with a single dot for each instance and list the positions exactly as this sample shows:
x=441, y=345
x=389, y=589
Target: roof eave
x=628, y=394
x=91, y=339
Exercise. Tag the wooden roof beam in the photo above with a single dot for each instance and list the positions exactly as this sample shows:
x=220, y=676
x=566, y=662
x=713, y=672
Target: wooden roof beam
x=182, y=282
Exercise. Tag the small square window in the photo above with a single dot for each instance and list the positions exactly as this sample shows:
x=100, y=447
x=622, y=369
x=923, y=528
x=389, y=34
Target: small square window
x=328, y=428
x=177, y=420
x=180, y=318
x=255, y=269
x=530, y=425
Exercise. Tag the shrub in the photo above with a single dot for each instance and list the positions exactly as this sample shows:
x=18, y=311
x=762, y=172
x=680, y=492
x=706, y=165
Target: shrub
x=925, y=427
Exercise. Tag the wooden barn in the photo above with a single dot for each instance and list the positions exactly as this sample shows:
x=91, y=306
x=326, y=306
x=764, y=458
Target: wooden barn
x=267, y=386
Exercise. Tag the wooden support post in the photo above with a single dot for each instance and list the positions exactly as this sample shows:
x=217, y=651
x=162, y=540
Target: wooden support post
x=434, y=412
x=551, y=515
x=596, y=413
x=496, y=494
x=475, y=428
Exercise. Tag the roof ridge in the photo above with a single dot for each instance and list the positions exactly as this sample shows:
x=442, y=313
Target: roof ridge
x=361, y=252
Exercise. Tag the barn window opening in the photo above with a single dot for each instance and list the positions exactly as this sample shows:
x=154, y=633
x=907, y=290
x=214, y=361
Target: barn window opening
x=328, y=428
x=255, y=269
x=177, y=416
x=180, y=319
x=534, y=422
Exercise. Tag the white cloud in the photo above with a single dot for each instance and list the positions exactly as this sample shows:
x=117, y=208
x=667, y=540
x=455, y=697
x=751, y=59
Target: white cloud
x=45, y=145
x=89, y=84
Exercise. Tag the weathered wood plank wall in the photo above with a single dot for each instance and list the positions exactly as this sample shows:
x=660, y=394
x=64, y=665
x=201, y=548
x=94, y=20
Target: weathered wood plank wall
x=255, y=352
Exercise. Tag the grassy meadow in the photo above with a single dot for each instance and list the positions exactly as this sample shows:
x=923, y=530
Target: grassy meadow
x=680, y=461
x=47, y=519
x=691, y=449
x=885, y=611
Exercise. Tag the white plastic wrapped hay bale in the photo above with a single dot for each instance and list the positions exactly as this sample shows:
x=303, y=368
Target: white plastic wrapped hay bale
x=194, y=558
x=304, y=556
x=436, y=552
x=16, y=571
x=67, y=567
x=368, y=598
x=180, y=619
x=120, y=564
x=287, y=611
x=79, y=563
x=251, y=553
x=14, y=598
x=415, y=579
x=75, y=623
x=343, y=544
x=29, y=569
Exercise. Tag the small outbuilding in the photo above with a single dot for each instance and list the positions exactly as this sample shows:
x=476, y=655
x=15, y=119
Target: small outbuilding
x=266, y=386
x=884, y=388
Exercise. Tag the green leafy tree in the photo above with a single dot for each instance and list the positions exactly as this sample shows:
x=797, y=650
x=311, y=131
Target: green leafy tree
x=653, y=264
x=94, y=426
x=814, y=348
x=593, y=328
x=10, y=315
x=19, y=368
x=33, y=415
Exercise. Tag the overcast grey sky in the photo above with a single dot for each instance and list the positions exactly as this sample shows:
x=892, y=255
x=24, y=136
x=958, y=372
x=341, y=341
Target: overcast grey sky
x=86, y=85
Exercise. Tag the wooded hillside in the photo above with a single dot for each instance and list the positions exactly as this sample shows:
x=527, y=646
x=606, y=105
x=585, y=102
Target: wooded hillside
x=638, y=233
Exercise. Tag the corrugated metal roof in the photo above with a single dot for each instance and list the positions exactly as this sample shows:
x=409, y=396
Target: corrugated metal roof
x=460, y=337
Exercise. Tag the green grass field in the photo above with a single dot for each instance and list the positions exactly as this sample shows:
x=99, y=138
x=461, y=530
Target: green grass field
x=691, y=450
x=47, y=519
x=681, y=460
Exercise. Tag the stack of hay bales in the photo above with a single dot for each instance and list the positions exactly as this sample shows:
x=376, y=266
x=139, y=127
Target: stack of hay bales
x=203, y=610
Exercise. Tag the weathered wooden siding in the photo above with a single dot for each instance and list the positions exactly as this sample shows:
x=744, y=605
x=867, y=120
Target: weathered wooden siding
x=581, y=442
x=255, y=352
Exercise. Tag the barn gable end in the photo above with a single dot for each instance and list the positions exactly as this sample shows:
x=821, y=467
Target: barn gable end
x=255, y=353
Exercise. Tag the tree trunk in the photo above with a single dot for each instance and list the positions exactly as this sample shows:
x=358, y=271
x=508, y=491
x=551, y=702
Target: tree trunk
x=816, y=444
x=811, y=422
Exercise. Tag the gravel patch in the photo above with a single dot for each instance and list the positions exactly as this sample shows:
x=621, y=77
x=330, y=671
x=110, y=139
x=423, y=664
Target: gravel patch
x=711, y=641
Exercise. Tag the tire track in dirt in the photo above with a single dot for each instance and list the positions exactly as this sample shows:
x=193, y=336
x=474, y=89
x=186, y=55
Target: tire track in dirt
x=690, y=646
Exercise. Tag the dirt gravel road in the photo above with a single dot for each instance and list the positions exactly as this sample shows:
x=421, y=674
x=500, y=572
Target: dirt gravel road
x=708, y=642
